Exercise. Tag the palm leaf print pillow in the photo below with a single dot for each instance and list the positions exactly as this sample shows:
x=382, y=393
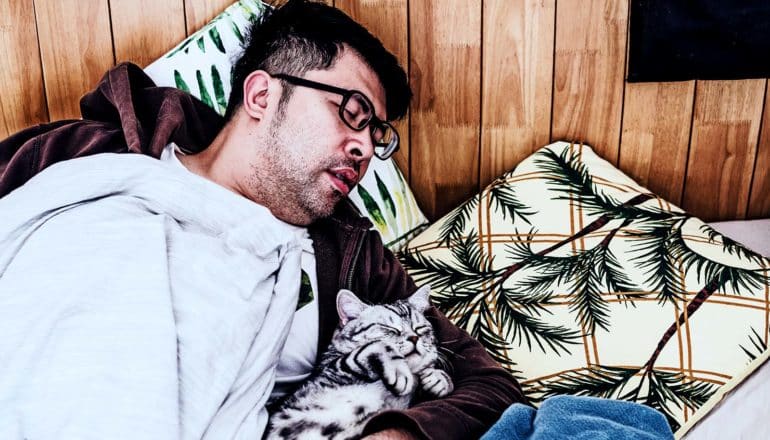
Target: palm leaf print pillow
x=201, y=65
x=579, y=281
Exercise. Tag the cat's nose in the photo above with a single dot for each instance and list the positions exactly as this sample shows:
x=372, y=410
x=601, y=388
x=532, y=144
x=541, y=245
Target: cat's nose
x=413, y=339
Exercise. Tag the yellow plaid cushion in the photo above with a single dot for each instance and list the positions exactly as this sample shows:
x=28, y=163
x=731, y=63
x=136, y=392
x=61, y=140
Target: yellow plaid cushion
x=580, y=281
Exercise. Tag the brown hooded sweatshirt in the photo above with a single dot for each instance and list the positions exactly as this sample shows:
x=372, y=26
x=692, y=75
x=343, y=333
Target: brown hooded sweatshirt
x=127, y=113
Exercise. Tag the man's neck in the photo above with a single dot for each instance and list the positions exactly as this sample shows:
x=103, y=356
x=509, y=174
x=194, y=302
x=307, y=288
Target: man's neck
x=220, y=163
x=205, y=163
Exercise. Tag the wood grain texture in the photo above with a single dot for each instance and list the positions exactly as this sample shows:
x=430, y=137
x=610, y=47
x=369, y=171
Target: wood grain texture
x=387, y=20
x=723, y=146
x=518, y=43
x=656, y=135
x=278, y=3
x=76, y=50
x=477, y=110
x=445, y=68
x=759, y=201
x=143, y=30
x=589, y=68
x=199, y=12
x=23, y=96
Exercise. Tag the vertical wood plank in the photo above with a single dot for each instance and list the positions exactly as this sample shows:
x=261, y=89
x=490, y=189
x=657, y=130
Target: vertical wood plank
x=445, y=69
x=21, y=76
x=657, y=119
x=722, y=149
x=76, y=49
x=199, y=12
x=387, y=20
x=143, y=30
x=278, y=3
x=589, y=69
x=518, y=43
x=759, y=202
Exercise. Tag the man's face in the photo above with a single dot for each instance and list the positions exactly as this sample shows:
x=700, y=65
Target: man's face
x=313, y=158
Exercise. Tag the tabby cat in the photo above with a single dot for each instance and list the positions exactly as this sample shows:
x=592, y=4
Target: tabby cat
x=380, y=355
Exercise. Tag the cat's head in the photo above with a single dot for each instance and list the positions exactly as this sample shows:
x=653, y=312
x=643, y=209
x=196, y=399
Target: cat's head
x=401, y=324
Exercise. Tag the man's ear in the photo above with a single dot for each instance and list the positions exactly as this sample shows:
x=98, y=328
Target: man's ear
x=256, y=90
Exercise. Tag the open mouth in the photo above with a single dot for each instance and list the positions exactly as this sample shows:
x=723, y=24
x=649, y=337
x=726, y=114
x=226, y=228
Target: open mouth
x=343, y=179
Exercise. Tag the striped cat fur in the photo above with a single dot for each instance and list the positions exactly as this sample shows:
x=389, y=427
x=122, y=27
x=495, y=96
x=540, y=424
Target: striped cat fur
x=379, y=357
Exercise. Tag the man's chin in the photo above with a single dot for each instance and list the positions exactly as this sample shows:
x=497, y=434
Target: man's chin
x=318, y=211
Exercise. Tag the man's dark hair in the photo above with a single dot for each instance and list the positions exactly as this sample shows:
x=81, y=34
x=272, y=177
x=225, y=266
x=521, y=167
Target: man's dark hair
x=301, y=36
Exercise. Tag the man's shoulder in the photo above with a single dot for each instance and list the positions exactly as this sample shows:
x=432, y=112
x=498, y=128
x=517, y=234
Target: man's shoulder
x=87, y=171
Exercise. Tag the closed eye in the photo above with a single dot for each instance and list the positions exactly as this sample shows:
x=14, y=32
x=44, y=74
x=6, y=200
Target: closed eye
x=389, y=330
x=422, y=330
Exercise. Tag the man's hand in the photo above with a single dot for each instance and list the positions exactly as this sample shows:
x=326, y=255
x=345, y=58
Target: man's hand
x=391, y=434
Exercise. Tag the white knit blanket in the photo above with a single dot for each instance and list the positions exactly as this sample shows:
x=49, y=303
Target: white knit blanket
x=138, y=300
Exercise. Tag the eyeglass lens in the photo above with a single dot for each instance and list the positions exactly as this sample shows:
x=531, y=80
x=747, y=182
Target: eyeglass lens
x=358, y=112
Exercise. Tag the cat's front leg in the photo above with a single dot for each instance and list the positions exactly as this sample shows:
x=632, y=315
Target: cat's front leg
x=390, y=367
x=397, y=376
x=435, y=382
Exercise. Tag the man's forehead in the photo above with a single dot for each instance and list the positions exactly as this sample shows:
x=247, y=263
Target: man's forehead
x=351, y=72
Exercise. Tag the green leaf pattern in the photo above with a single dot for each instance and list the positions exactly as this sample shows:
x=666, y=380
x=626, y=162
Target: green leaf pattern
x=386, y=199
x=373, y=209
x=306, y=295
x=205, y=97
x=385, y=194
x=180, y=83
x=640, y=264
x=219, y=90
x=202, y=62
x=216, y=39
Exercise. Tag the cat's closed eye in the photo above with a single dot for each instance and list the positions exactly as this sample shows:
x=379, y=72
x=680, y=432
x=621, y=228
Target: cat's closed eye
x=388, y=330
x=422, y=330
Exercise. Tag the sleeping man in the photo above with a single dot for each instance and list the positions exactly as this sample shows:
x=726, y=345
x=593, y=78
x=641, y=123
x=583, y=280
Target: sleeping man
x=146, y=298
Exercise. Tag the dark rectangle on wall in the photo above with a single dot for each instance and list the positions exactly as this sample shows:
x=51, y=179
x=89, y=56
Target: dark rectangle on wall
x=679, y=40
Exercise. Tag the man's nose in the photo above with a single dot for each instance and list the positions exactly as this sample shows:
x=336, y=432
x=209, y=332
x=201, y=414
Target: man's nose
x=360, y=146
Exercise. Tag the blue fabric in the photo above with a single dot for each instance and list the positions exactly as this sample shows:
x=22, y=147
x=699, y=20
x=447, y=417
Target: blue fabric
x=575, y=417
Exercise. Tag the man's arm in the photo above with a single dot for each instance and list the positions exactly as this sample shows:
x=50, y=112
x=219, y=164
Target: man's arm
x=483, y=389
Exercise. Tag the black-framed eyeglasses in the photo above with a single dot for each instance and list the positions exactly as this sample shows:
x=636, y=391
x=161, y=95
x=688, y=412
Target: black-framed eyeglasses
x=357, y=112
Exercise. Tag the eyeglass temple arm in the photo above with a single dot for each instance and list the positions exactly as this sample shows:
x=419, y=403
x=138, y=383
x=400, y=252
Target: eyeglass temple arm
x=312, y=84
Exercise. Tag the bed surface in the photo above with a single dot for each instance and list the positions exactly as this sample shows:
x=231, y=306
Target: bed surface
x=742, y=414
x=754, y=234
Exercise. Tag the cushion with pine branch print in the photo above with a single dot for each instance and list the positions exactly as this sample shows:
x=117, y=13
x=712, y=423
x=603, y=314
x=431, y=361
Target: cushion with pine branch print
x=579, y=281
x=202, y=65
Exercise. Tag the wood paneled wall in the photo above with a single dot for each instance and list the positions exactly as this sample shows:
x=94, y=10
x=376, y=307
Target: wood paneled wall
x=493, y=80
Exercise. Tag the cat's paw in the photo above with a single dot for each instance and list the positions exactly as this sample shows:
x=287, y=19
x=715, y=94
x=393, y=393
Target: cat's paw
x=436, y=382
x=398, y=378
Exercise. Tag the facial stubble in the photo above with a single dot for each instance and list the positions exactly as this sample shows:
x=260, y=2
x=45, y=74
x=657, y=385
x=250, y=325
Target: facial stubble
x=290, y=178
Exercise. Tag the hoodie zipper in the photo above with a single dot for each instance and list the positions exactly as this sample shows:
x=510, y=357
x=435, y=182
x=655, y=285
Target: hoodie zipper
x=353, y=261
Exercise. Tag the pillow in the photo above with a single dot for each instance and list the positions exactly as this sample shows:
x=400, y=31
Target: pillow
x=201, y=65
x=579, y=281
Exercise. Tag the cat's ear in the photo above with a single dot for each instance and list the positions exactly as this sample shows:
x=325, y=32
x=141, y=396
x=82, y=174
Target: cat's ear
x=420, y=299
x=348, y=306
